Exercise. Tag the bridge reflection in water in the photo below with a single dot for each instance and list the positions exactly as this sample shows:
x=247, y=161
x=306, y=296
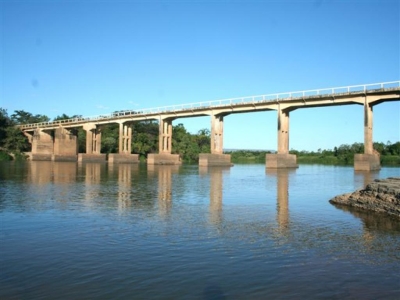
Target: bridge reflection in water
x=282, y=196
x=164, y=175
x=125, y=187
x=216, y=175
x=125, y=184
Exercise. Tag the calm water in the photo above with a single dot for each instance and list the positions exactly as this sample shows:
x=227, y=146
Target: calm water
x=71, y=231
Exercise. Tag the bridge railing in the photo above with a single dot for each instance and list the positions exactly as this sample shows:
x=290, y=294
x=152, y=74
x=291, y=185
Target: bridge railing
x=223, y=102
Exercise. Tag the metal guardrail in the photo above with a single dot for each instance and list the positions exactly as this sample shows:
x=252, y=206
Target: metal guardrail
x=224, y=102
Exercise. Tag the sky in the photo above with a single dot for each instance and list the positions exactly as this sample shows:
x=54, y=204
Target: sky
x=83, y=57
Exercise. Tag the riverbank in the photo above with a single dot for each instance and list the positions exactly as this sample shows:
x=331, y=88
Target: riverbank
x=386, y=160
x=325, y=157
x=382, y=195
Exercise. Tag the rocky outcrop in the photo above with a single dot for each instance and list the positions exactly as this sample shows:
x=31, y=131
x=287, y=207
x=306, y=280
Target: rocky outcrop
x=382, y=195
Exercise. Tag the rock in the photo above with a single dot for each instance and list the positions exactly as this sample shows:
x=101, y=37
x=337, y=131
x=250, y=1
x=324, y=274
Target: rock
x=382, y=195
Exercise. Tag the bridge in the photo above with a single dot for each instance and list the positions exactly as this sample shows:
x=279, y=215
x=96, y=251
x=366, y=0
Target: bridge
x=57, y=141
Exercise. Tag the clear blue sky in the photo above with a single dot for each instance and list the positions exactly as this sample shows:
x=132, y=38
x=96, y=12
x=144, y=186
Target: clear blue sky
x=94, y=57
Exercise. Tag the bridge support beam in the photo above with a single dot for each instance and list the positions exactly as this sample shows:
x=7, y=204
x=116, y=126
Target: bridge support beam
x=65, y=145
x=42, y=145
x=125, y=146
x=216, y=157
x=93, y=145
x=282, y=159
x=164, y=157
x=370, y=160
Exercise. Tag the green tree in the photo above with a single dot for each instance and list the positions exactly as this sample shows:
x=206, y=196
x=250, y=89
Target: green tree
x=110, y=138
x=15, y=141
x=12, y=140
x=393, y=149
x=188, y=145
x=145, y=138
x=23, y=117
x=4, y=123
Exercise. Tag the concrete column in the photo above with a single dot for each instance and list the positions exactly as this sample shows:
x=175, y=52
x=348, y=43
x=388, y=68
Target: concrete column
x=97, y=141
x=216, y=157
x=164, y=156
x=125, y=138
x=283, y=131
x=93, y=145
x=65, y=145
x=282, y=159
x=165, y=136
x=368, y=142
x=89, y=141
x=370, y=160
x=93, y=139
x=124, y=154
x=42, y=145
x=217, y=134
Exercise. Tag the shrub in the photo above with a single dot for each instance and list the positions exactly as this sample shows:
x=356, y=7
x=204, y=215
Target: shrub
x=4, y=156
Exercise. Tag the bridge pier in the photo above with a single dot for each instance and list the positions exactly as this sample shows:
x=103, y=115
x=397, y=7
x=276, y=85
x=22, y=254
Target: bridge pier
x=42, y=144
x=93, y=145
x=125, y=146
x=216, y=157
x=164, y=157
x=282, y=159
x=65, y=145
x=370, y=160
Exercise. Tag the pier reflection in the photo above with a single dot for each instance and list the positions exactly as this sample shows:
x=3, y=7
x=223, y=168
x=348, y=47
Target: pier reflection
x=216, y=175
x=164, y=175
x=40, y=172
x=362, y=178
x=92, y=175
x=282, y=197
x=44, y=174
x=124, y=194
x=64, y=172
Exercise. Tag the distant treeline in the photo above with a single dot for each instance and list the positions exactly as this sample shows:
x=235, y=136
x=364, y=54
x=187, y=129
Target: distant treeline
x=342, y=155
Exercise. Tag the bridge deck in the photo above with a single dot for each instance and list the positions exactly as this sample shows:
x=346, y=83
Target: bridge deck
x=290, y=100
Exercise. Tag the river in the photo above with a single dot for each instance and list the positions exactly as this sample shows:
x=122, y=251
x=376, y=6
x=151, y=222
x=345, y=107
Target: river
x=98, y=231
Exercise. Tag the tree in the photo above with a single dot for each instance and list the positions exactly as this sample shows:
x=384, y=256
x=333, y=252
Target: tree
x=15, y=140
x=394, y=149
x=11, y=138
x=145, y=137
x=23, y=117
x=188, y=145
x=110, y=138
x=4, y=123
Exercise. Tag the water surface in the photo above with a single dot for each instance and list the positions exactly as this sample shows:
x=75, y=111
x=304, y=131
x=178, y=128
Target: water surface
x=78, y=231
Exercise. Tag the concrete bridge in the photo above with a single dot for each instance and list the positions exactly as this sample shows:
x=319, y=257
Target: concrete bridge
x=57, y=141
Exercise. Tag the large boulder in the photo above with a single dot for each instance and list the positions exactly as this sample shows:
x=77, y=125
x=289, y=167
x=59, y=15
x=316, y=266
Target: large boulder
x=382, y=195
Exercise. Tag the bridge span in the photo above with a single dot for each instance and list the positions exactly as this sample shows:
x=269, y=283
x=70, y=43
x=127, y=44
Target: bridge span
x=57, y=141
